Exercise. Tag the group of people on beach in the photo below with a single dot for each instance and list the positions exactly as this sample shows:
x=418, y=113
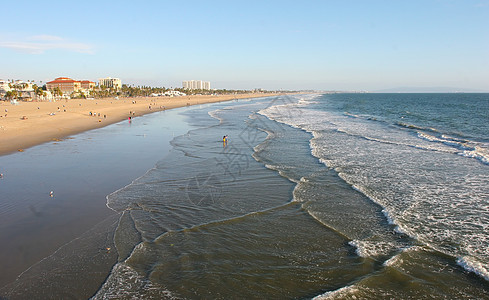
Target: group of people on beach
x=96, y=115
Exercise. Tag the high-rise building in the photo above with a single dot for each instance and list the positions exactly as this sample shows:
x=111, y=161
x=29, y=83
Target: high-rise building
x=110, y=82
x=196, y=85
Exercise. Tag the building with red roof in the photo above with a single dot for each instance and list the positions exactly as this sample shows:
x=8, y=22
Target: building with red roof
x=68, y=85
x=87, y=84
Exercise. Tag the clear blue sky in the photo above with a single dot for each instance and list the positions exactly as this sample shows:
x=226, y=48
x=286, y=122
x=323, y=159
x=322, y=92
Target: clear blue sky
x=342, y=44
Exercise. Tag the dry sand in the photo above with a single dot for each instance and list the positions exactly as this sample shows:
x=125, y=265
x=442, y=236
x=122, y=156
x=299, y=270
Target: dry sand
x=31, y=123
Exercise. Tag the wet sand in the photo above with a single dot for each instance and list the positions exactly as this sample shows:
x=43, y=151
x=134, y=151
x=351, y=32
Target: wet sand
x=81, y=171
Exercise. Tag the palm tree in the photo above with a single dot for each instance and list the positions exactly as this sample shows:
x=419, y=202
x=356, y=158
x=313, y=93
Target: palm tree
x=57, y=91
x=11, y=95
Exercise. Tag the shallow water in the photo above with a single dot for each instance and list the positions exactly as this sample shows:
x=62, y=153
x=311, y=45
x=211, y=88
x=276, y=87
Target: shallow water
x=81, y=171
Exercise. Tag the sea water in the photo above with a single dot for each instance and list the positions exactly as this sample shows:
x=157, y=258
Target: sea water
x=424, y=160
x=327, y=196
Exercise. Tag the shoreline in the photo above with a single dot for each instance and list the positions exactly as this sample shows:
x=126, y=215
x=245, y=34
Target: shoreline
x=33, y=123
x=38, y=229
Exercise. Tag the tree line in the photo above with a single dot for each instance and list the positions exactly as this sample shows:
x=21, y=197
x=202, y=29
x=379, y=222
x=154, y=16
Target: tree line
x=125, y=91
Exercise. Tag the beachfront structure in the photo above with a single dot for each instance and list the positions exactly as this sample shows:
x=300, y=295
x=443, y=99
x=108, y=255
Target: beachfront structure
x=23, y=90
x=68, y=85
x=174, y=94
x=45, y=96
x=65, y=84
x=110, y=83
x=4, y=86
x=170, y=93
x=87, y=84
x=18, y=85
x=196, y=85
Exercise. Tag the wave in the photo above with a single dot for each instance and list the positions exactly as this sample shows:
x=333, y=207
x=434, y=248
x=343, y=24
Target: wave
x=473, y=265
x=215, y=114
x=316, y=120
x=341, y=293
x=463, y=147
x=412, y=126
x=366, y=248
x=125, y=283
x=351, y=115
x=480, y=153
x=439, y=142
x=115, y=204
x=397, y=260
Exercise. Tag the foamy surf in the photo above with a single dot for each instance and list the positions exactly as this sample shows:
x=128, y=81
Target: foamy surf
x=341, y=293
x=356, y=163
x=125, y=283
x=473, y=265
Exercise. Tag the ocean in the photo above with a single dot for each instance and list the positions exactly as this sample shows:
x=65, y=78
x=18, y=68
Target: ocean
x=324, y=196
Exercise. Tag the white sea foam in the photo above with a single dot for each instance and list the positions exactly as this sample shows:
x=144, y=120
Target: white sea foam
x=215, y=114
x=372, y=248
x=479, y=152
x=471, y=264
x=396, y=260
x=444, y=140
x=280, y=170
x=465, y=148
x=388, y=217
x=341, y=293
x=125, y=283
x=351, y=115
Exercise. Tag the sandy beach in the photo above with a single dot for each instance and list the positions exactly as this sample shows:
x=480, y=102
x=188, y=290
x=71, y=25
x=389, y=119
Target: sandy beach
x=31, y=123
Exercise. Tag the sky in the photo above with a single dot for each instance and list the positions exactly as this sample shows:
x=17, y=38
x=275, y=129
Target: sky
x=291, y=45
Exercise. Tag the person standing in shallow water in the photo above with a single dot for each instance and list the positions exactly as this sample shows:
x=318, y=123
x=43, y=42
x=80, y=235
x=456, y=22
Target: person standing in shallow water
x=224, y=140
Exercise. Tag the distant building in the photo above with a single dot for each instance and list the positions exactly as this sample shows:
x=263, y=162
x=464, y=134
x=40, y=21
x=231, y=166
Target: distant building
x=24, y=89
x=4, y=87
x=174, y=94
x=46, y=95
x=65, y=84
x=87, y=84
x=196, y=85
x=68, y=85
x=110, y=83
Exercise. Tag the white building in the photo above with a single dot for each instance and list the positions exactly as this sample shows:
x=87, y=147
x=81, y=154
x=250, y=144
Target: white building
x=174, y=94
x=110, y=82
x=24, y=89
x=23, y=86
x=196, y=85
x=4, y=86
